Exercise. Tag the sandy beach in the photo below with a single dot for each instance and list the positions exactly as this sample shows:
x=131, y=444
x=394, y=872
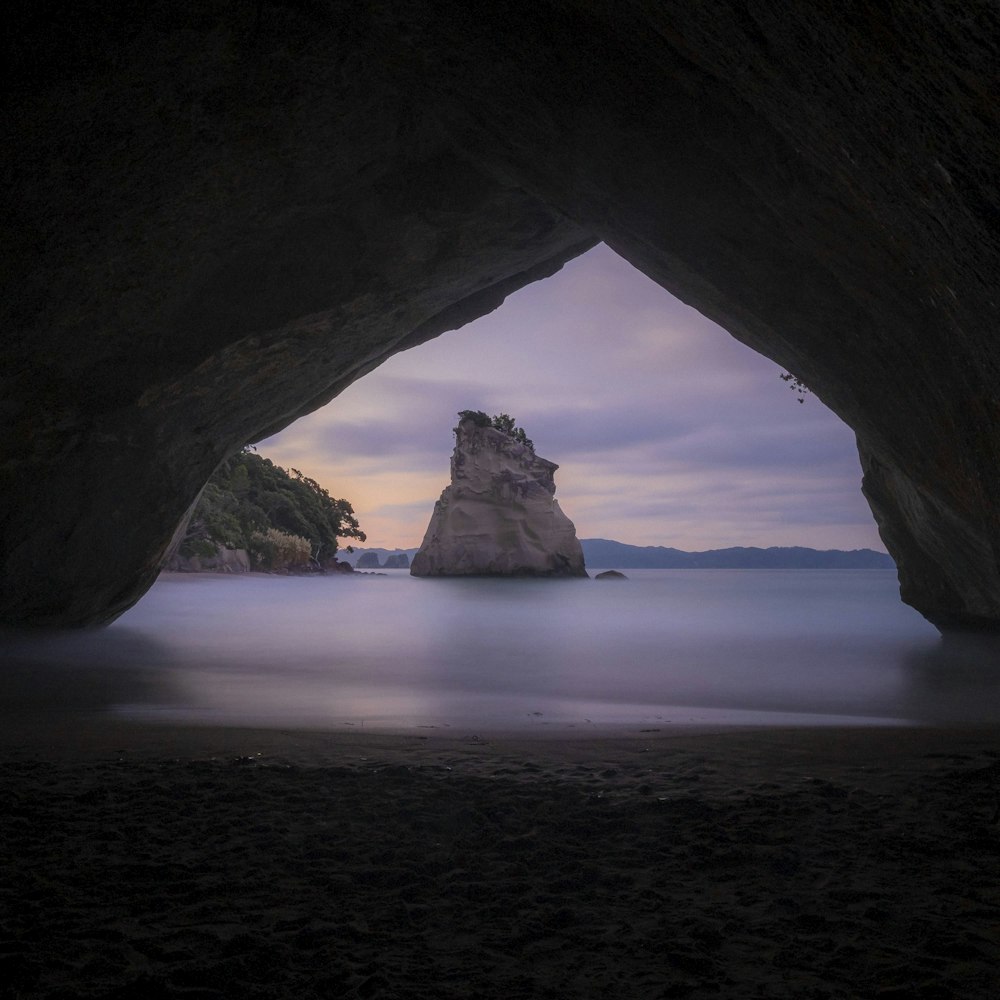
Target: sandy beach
x=158, y=861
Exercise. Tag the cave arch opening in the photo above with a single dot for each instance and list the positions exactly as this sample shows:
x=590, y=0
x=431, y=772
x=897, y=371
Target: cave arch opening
x=610, y=374
x=666, y=429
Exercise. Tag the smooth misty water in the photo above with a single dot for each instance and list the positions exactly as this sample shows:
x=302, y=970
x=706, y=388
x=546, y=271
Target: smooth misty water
x=714, y=646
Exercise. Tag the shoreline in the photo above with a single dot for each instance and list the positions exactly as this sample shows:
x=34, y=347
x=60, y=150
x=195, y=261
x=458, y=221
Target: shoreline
x=98, y=732
x=74, y=736
x=161, y=860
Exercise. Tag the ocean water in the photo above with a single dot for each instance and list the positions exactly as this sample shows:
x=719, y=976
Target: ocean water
x=388, y=651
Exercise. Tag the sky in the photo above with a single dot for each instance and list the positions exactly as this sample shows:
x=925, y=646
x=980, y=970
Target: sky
x=667, y=431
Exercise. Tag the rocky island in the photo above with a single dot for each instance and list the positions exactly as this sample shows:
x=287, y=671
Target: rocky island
x=499, y=515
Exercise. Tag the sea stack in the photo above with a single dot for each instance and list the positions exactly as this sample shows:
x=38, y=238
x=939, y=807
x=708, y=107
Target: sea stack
x=499, y=516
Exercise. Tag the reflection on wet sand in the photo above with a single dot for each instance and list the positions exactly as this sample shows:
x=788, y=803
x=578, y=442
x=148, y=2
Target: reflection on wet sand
x=83, y=671
x=955, y=680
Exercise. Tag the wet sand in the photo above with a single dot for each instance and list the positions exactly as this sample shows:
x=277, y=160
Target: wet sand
x=158, y=861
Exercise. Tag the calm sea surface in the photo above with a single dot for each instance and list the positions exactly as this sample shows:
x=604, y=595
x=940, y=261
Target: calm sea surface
x=806, y=647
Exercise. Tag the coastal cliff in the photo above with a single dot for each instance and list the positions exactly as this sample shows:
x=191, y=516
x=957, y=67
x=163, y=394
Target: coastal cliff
x=499, y=515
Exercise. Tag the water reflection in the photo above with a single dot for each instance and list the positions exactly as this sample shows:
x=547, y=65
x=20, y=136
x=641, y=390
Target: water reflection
x=771, y=647
x=956, y=680
x=84, y=671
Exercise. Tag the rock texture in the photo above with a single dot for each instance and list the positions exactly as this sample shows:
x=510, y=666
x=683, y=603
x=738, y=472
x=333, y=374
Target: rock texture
x=499, y=516
x=219, y=215
x=224, y=561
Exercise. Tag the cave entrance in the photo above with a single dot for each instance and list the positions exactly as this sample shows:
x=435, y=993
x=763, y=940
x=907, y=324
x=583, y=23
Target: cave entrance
x=667, y=430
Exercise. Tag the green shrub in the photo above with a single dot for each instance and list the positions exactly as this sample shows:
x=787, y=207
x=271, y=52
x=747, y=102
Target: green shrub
x=198, y=547
x=277, y=550
x=479, y=418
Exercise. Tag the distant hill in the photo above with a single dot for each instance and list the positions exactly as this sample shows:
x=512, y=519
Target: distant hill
x=603, y=552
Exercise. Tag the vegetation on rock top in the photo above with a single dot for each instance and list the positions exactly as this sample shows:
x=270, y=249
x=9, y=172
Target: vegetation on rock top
x=502, y=422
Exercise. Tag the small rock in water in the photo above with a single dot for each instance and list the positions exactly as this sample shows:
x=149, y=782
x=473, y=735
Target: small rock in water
x=611, y=574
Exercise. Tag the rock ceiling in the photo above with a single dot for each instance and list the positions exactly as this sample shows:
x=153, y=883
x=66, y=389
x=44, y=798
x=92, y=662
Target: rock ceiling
x=220, y=215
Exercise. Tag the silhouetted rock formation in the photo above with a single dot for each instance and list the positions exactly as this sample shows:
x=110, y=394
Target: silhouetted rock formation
x=220, y=215
x=499, y=515
x=368, y=560
x=400, y=561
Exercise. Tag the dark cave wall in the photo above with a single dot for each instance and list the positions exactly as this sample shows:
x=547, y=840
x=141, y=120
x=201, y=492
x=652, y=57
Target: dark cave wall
x=818, y=181
x=214, y=233
x=221, y=215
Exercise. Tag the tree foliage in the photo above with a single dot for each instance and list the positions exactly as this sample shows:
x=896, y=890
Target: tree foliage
x=502, y=422
x=479, y=418
x=795, y=384
x=250, y=502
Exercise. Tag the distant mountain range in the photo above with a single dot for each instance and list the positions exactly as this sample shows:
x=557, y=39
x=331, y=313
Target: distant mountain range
x=603, y=553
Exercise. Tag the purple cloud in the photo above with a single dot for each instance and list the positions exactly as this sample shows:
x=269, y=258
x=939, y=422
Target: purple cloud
x=667, y=430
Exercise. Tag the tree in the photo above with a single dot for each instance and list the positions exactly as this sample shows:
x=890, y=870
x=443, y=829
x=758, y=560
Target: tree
x=249, y=496
x=504, y=422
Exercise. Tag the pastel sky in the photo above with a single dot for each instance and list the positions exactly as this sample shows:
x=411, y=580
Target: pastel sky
x=667, y=431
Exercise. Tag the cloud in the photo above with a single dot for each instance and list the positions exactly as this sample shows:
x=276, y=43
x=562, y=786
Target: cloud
x=421, y=509
x=666, y=429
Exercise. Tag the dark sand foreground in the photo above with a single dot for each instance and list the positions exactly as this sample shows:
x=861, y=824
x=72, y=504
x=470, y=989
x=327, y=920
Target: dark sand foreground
x=148, y=862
